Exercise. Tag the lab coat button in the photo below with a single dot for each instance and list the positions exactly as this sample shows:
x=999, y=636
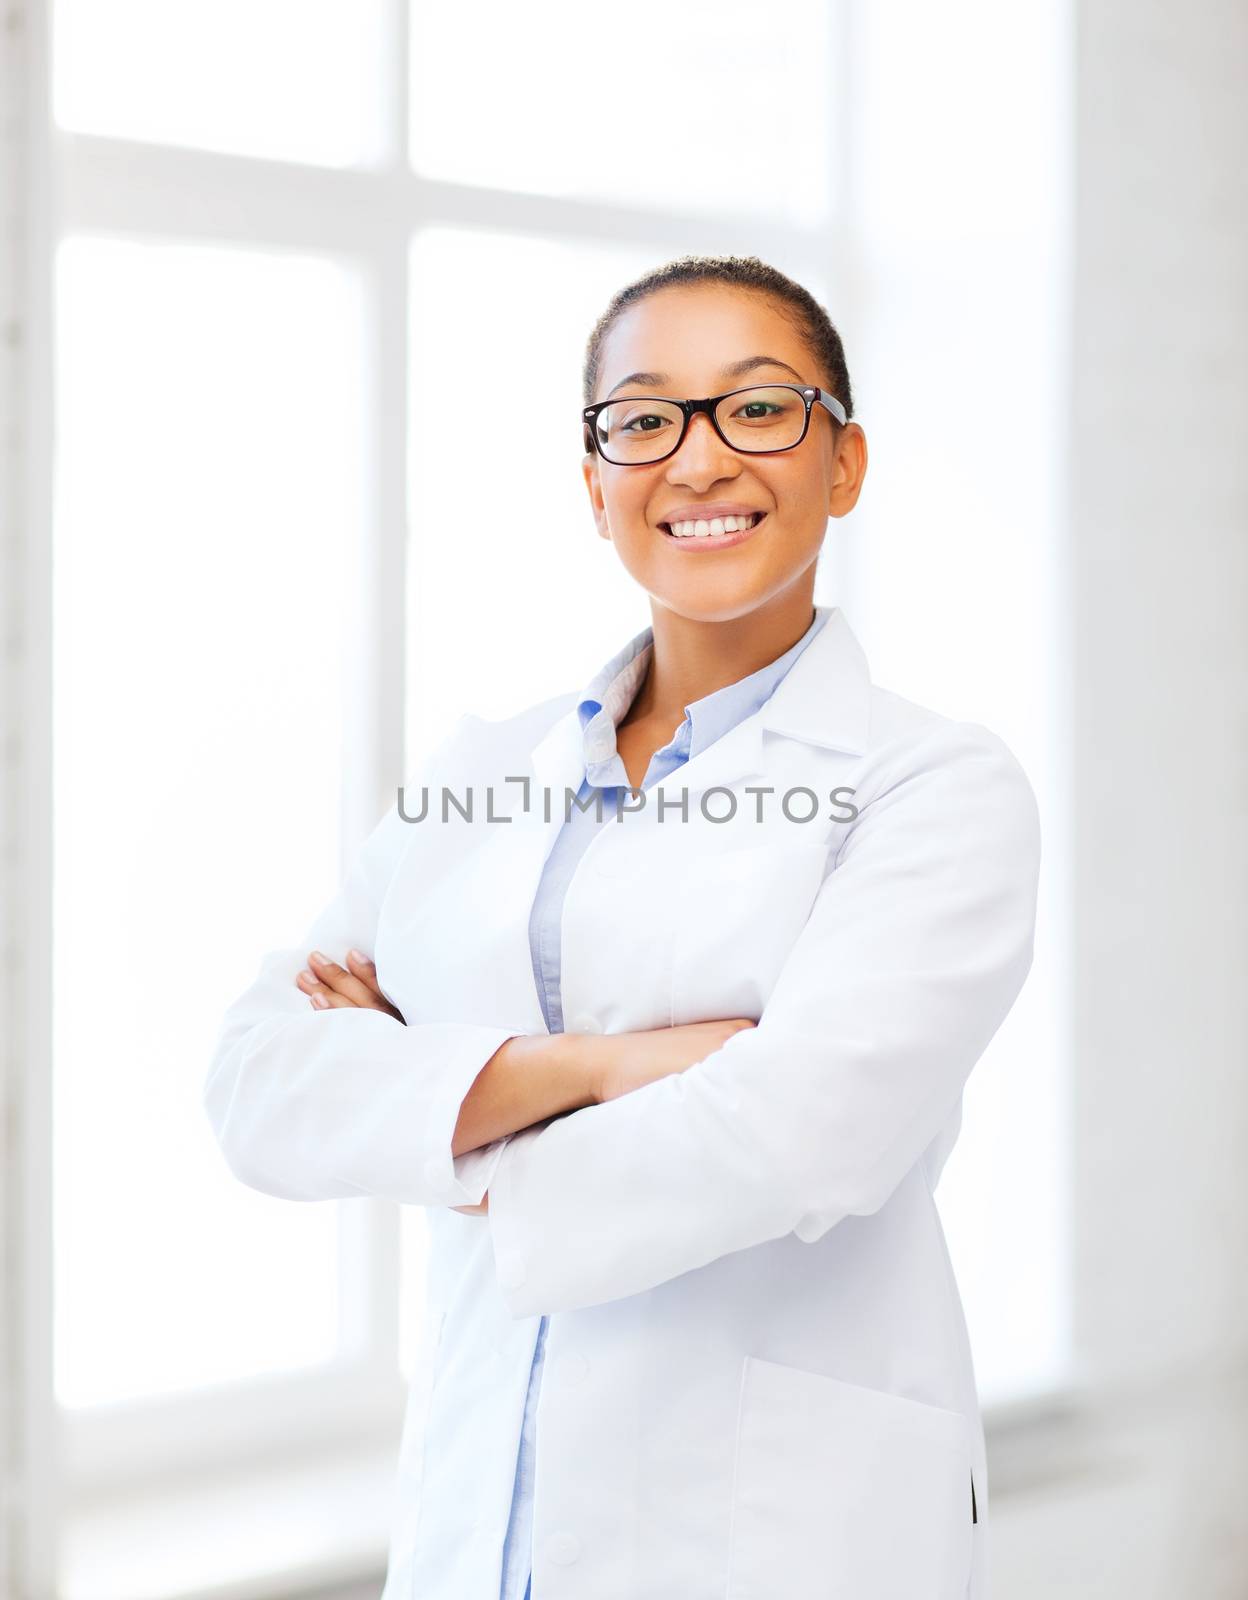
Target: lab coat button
x=510, y=1269
x=574, y=1366
x=563, y=1548
x=586, y=1024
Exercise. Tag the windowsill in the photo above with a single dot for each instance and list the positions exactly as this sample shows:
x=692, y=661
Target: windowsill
x=263, y=1535
x=1037, y=1438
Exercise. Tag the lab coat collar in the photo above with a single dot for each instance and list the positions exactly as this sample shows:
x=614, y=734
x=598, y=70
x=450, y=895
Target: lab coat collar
x=824, y=699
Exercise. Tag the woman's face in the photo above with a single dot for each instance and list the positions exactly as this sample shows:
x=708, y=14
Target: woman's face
x=684, y=339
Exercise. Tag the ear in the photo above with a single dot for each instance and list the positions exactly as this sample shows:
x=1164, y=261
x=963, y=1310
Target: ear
x=849, y=468
x=593, y=482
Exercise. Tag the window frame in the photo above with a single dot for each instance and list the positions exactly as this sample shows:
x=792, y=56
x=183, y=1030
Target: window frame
x=368, y=217
x=90, y=184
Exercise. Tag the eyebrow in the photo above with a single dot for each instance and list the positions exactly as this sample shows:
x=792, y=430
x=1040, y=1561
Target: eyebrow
x=734, y=369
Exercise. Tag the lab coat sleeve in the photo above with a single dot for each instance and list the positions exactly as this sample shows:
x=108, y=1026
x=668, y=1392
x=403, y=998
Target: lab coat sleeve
x=915, y=949
x=322, y=1105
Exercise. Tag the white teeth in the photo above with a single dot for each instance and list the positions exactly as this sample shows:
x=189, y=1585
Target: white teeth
x=701, y=529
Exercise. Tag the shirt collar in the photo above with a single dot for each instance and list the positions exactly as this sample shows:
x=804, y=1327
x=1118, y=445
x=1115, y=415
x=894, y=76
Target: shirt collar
x=605, y=699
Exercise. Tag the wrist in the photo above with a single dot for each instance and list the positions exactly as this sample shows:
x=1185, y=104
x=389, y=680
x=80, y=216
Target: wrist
x=568, y=1064
x=579, y=1060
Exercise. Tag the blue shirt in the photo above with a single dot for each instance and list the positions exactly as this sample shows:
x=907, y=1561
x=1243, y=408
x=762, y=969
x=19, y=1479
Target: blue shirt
x=602, y=705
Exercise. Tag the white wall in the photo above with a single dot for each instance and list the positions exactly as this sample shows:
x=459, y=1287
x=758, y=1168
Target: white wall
x=12, y=358
x=25, y=736
x=1153, y=1504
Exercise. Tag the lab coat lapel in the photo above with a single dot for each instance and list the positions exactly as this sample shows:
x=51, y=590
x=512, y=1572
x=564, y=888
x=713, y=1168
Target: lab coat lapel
x=824, y=700
x=810, y=732
x=557, y=762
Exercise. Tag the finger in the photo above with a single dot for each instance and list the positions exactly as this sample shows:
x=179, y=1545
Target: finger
x=321, y=998
x=339, y=981
x=327, y=1000
x=316, y=991
x=339, y=992
x=359, y=965
x=366, y=970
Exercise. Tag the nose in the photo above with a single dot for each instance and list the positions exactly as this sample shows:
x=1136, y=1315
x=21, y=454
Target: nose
x=703, y=457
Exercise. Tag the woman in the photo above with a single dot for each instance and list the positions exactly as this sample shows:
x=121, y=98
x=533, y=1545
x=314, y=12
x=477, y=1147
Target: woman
x=675, y=1074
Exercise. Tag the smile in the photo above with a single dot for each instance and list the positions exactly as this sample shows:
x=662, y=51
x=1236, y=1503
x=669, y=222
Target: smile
x=714, y=534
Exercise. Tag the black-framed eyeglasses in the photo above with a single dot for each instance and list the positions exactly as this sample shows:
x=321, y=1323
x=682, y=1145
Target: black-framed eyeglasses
x=757, y=420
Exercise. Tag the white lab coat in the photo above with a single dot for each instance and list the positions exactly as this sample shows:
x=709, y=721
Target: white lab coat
x=758, y=1382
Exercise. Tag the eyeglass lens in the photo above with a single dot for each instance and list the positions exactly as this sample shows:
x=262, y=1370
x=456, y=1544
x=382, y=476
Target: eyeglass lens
x=763, y=418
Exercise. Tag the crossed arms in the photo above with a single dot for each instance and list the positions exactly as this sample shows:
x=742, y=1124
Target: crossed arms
x=915, y=949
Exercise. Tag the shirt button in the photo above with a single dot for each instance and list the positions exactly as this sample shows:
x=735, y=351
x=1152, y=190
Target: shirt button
x=563, y=1548
x=574, y=1367
x=510, y=1269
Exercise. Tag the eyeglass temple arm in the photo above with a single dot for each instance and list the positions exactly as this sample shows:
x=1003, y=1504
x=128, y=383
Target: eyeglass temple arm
x=832, y=404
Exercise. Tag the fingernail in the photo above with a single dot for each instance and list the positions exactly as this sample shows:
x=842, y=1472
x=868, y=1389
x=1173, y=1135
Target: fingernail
x=319, y=1001
x=317, y=957
x=307, y=976
x=359, y=956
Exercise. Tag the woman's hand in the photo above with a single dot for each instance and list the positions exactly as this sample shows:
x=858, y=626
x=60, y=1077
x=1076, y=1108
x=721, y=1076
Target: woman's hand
x=627, y=1061
x=329, y=986
x=611, y=1065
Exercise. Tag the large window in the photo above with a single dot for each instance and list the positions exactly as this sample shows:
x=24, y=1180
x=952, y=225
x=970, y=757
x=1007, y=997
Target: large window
x=286, y=238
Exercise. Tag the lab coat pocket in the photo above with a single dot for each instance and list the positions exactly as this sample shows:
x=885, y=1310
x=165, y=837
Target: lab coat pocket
x=411, y=1468
x=842, y=1492
x=742, y=907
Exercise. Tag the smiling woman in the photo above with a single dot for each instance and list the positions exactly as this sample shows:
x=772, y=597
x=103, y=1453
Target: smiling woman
x=773, y=439
x=675, y=1091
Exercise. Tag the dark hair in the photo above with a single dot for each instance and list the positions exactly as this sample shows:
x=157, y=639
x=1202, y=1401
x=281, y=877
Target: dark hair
x=739, y=272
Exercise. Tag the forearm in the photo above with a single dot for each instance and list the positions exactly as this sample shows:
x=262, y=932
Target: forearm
x=912, y=955
x=528, y=1079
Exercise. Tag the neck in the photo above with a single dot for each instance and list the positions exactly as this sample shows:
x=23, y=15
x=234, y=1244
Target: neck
x=694, y=657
